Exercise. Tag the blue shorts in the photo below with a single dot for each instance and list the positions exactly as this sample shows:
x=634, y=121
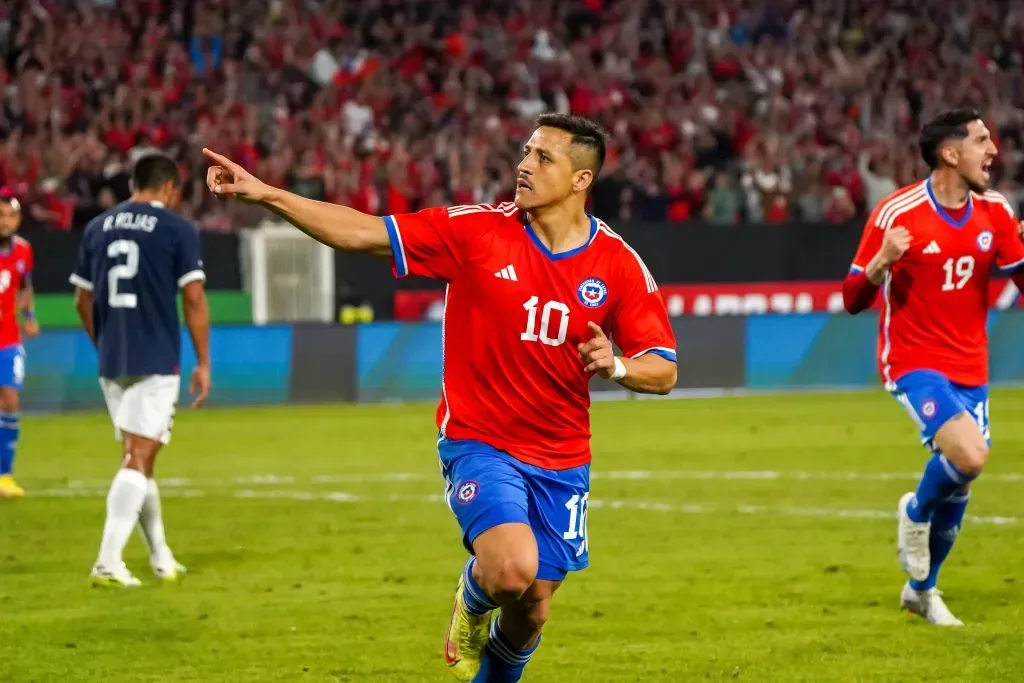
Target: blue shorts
x=12, y=366
x=486, y=487
x=932, y=400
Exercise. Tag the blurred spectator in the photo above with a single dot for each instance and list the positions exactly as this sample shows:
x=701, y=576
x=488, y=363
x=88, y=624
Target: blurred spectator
x=400, y=105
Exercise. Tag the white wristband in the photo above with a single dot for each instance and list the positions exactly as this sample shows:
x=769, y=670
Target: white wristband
x=620, y=370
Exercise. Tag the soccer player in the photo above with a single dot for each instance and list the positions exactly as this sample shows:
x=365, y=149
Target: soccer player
x=15, y=295
x=930, y=247
x=133, y=260
x=533, y=286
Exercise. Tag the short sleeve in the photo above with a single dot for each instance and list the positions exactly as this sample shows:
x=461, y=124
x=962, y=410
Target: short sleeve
x=82, y=276
x=426, y=243
x=188, y=256
x=1009, y=246
x=26, y=277
x=640, y=324
x=870, y=241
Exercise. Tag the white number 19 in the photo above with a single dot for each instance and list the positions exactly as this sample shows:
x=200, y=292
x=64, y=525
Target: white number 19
x=962, y=268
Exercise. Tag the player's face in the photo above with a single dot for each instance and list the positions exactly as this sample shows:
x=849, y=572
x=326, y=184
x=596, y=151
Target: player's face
x=10, y=219
x=977, y=151
x=546, y=174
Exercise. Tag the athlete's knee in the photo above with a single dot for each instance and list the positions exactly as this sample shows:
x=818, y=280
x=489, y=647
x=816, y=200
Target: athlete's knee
x=506, y=561
x=971, y=457
x=140, y=454
x=508, y=576
x=10, y=401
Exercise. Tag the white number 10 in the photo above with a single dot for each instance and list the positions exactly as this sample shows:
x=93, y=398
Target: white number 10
x=545, y=322
x=577, y=507
x=963, y=268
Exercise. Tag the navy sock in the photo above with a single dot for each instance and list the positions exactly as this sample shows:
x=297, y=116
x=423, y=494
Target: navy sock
x=8, y=441
x=503, y=662
x=476, y=600
x=941, y=480
x=949, y=515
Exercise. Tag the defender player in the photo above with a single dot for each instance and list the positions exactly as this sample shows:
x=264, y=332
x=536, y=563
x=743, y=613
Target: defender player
x=133, y=260
x=15, y=296
x=532, y=287
x=931, y=247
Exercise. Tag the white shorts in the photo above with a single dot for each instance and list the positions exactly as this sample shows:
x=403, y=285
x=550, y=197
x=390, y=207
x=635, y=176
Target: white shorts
x=143, y=406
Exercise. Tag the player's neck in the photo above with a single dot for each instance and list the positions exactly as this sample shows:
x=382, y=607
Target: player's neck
x=148, y=198
x=560, y=228
x=949, y=189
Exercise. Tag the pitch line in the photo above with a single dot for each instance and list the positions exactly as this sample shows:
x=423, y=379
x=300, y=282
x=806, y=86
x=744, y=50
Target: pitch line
x=599, y=503
x=611, y=475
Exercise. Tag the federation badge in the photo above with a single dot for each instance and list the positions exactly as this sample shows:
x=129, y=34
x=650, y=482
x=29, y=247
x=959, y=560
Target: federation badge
x=467, y=492
x=592, y=292
x=985, y=240
x=928, y=409
x=20, y=266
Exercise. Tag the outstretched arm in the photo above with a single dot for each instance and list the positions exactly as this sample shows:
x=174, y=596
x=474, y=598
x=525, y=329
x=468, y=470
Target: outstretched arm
x=336, y=226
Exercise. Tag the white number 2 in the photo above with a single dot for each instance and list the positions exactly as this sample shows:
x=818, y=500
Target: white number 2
x=962, y=268
x=577, y=507
x=5, y=280
x=122, y=271
x=545, y=322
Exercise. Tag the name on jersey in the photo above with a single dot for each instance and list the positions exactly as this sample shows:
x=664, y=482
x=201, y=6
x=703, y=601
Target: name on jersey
x=130, y=221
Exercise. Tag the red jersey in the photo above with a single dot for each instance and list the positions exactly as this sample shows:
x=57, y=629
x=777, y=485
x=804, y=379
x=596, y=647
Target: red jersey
x=15, y=275
x=936, y=296
x=514, y=315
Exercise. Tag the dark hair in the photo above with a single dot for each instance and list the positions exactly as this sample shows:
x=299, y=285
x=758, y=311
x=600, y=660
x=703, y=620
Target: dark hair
x=585, y=133
x=946, y=126
x=153, y=171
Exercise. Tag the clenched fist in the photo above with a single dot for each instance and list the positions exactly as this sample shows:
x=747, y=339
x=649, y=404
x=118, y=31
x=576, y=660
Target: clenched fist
x=227, y=179
x=894, y=244
x=598, y=353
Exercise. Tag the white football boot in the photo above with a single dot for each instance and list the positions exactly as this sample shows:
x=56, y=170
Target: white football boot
x=113, y=577
x=928, y=604
x=912, y=542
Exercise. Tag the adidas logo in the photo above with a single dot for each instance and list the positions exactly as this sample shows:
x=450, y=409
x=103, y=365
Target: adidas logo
x=507, y=273
x=932, y=248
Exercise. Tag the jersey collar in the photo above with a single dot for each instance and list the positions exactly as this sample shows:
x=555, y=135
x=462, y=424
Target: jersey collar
x=942, y=211
x=562, y=254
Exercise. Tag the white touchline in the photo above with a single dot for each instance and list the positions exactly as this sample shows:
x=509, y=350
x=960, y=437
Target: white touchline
x=622, y=504
x=613, y=475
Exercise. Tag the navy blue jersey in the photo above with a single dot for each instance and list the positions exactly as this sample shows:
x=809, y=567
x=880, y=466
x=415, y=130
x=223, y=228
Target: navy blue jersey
x=134, y=258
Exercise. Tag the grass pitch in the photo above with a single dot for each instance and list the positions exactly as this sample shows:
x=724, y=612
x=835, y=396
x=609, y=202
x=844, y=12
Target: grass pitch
x=730, y=539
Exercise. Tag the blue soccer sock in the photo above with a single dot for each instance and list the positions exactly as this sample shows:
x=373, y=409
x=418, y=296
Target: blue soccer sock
x=476, y=600
x=948, y=517
x=8, y=441
x=941, y=480
x=503, y=662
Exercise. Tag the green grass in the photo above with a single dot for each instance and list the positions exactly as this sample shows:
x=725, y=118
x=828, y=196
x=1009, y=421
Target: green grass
x=686, y=582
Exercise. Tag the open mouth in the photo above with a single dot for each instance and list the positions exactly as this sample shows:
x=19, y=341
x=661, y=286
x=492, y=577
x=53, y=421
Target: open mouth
x=985, y=168
x=523, y=185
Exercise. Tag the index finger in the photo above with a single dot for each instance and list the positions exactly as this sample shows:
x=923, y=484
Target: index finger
x=201, y=398
x=219, y=158
x=595, y=328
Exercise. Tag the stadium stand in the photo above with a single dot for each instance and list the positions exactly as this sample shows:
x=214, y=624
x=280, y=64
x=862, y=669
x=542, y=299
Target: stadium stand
x=723, y=110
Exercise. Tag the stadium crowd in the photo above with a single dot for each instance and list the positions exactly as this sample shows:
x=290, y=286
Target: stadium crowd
x=725, y=110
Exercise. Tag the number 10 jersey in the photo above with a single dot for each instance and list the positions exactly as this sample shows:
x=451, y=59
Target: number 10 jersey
x=514, y=315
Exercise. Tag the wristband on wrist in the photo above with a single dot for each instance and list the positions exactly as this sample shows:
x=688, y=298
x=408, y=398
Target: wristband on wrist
x=620, y=370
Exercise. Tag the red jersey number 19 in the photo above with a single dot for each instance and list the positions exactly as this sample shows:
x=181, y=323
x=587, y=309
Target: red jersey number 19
x=958, y=272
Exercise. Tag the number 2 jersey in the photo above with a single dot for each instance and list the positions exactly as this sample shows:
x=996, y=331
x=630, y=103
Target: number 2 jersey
x=134, y=258
x=15, y=274
x=514, y=315
x=936, y=304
